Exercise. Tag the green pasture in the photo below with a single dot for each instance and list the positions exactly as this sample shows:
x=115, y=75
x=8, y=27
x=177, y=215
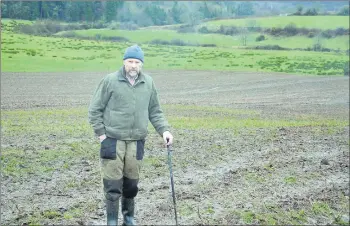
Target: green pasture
x=147, y=35
x=24, y=53
x=337, y=43
x=319, y=22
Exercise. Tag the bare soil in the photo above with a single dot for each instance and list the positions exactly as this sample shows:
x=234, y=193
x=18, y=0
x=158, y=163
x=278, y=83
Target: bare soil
x=221, y=176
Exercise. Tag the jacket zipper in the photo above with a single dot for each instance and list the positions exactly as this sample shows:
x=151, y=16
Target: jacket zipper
x=134, y=105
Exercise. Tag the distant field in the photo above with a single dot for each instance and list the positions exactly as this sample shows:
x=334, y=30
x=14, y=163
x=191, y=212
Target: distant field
x=24, y=53
x=147, y=35
x=320, y=22
x=339, y=42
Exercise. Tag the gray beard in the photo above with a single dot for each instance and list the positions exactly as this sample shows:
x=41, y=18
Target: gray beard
x=132, y=76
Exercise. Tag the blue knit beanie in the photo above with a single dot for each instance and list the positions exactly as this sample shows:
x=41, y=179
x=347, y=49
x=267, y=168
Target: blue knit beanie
x=134, y=52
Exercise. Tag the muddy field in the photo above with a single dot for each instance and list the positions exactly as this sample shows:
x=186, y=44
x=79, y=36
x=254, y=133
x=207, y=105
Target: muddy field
x=255, y=174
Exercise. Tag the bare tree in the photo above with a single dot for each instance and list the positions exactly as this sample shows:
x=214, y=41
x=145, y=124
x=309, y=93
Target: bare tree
x=243, y=36
x=318, y=43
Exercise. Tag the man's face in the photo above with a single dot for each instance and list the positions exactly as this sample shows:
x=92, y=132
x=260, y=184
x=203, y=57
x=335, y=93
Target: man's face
x=132, y=66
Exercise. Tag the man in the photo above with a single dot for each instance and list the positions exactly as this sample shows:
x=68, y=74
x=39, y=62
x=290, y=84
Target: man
x=119, y=111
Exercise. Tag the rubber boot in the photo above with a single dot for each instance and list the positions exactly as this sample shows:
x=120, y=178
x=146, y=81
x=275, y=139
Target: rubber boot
x=112, y=208
x=128, y=206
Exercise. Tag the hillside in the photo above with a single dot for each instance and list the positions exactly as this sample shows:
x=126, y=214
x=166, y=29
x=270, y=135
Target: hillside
x=317, y=22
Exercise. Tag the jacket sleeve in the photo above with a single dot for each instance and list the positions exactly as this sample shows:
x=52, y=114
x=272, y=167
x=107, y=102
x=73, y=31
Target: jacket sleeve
x=156, y=115
x=97, y=106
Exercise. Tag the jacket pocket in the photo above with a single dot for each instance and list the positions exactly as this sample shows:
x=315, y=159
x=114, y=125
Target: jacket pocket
x=109, y=148
x=140, y=149
x=119, y=120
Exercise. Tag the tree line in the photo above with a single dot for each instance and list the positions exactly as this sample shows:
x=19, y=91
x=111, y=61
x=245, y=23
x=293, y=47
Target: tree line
x=141, y=13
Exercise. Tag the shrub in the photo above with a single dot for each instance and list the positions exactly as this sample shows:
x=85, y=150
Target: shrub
x=346, y=68
x=311, y=12
x=175, y=42
x=204, y=30
x=271, y=47
x=208, y=45
x=25, y=28
x=72, y=27
x=254, y=29
x=115, y=38
x=260, y=38
x=228, y=30
x=186, y=29
x=48, y=27
x=70, y=34
x=98, y=36
x=317, y=47
x=159, y=42
x=327, y=33
x=341, y=31
x=276, y=31
x=99, y=25
x=311, y=34
x=31, y=52
x=114, y=26
x=128, y=26
x=290, y=29
x=178, y=42
x=344, y=11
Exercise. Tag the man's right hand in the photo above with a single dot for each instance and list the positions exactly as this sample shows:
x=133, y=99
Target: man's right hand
x=102, y=137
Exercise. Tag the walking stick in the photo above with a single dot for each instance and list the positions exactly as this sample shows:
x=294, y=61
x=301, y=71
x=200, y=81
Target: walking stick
x=172, y=181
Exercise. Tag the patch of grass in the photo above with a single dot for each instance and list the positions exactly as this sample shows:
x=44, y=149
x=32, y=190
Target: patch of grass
x=290, y=180
x=186, y=209
x=277, y=216
x=51, y=214
x=155, y=162
x=339, y=220
x=34, y=220
x=200, y=110
x=248, y=217
x=56, y=122
x=252, y=176
x=67, y=216
x=226, y=122
x=321, y=208
x=298, y=217
x=210, y=210
x=71, y=184
x=17, y=163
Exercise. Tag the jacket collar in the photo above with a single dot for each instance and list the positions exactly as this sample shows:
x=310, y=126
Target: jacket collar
x=122, y=75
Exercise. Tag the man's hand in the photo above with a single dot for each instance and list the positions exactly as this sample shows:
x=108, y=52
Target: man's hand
x=102, y=137
x=168, y=138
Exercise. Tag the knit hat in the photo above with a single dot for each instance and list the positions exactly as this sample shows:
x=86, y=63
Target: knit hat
x=134, y=52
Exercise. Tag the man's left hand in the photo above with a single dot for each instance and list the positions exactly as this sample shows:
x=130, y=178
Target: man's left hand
x=168, y=138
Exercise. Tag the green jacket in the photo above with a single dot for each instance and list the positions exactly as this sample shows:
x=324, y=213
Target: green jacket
x=122, y=111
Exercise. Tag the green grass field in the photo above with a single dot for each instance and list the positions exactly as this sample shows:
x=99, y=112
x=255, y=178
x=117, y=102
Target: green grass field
x=34, y=54
x=25, y=53
x=320, y=22
x=146, y=36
